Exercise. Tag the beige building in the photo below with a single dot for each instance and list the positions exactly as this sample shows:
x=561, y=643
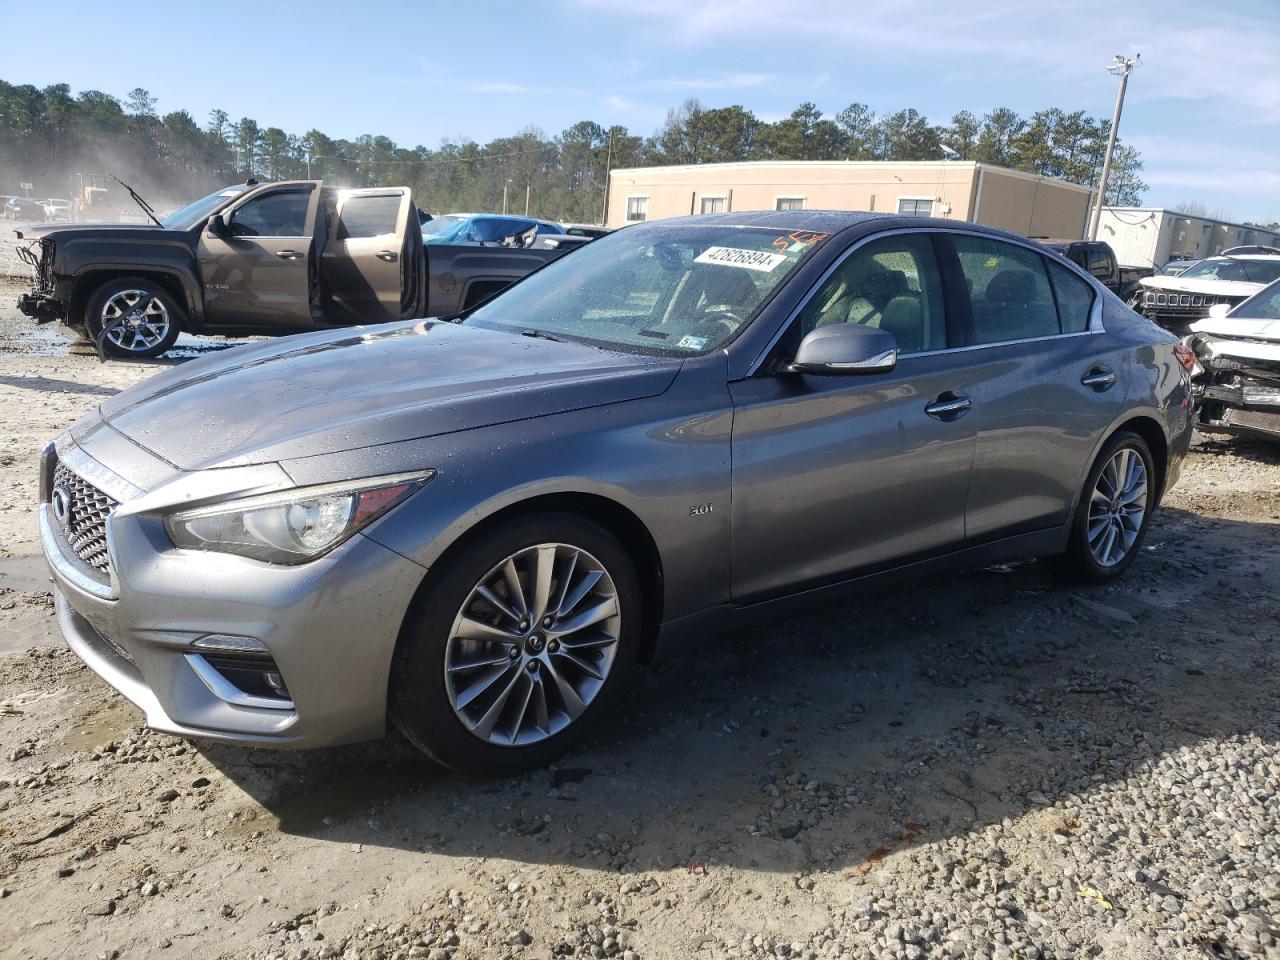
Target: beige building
x=961, y=190
x=1147, y=236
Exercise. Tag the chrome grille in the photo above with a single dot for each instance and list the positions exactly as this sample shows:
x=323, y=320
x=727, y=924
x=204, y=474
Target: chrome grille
x=88, y=509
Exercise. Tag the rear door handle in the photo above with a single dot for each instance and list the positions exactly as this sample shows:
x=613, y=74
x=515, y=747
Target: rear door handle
x=1099, y=378
x=388, y=255
x=288, y=255
x=949, y=406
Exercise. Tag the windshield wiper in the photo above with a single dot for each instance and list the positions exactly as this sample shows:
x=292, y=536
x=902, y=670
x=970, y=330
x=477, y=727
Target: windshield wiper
x=542, y=335
x=146, y=207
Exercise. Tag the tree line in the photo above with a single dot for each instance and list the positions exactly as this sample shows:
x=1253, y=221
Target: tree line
x=50, y=135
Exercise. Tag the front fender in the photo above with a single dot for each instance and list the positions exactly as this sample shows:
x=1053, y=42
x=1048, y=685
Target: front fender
x=83, y=263
x=664, y=459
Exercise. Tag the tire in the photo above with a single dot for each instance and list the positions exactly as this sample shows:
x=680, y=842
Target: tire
x=535, y=721
x=1082, y=561
x=152, y=332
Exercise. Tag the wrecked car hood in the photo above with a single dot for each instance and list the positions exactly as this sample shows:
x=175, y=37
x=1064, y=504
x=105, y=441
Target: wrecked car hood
x=1221, y=288
x=77, y=231
x=342, y=390
x=1241, y=337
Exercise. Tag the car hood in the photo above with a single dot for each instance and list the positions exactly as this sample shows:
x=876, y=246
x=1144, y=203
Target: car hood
x=77, y=231
x=1241, y=337
x=343, y=390
x=1221, y=288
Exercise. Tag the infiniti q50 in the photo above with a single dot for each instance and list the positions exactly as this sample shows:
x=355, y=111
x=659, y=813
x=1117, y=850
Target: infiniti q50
x=477, y=528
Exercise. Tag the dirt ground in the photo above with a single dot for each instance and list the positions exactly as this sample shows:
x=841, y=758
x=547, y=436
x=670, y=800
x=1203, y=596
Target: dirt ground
x=988, y=764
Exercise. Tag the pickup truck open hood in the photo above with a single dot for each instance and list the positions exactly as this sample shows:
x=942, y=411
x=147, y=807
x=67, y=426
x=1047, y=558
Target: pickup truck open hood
x=346, y=389
x=1221, y=288
x=74, y=231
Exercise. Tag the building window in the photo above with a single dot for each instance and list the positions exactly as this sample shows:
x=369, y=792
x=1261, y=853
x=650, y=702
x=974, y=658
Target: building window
x=637, y=209
x=915, y=206
x=789, y=203
x=713, y=204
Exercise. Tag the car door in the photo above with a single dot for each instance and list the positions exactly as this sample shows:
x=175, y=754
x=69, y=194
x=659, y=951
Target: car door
x=372, y=265
x=257, y=270
x=844, y=473
x=1048, y=386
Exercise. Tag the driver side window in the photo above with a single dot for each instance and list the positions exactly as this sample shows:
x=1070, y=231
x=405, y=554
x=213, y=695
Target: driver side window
x=892, y=284
x=272, y=215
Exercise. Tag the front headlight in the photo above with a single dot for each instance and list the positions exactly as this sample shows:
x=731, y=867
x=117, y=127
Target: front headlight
x=292, y=526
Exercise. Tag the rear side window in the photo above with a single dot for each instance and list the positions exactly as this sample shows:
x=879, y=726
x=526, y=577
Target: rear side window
x=368, y=217
x=1074, y=296
x=1009, y=293
x=272, y=215
x=891, y=283
x=1099, y=263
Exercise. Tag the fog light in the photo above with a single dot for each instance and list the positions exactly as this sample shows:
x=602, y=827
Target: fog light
x=230, y=644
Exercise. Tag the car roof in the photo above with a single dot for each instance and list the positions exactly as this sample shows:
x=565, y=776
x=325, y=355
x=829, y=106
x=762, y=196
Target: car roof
x=833, y=221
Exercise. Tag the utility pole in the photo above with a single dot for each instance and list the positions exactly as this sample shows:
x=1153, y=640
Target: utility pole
x=608, y=166
x=528, y=187
x=504, y=195
x=1122, y=67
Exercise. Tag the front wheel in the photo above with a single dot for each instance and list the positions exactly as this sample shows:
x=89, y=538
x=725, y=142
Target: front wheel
x=132, y=318
x=519, y=646
x=1114, y=512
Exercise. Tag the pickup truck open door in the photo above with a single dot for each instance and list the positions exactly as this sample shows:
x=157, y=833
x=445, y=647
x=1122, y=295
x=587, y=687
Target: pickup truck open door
x=372, y=265
x=254, y=259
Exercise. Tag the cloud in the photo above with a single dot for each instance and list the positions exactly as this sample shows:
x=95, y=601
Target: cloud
x=1227, y=60
x=720, y=81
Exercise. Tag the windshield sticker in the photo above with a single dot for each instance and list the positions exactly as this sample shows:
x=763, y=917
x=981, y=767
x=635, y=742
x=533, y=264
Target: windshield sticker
x=736, y=257
x=688, y=342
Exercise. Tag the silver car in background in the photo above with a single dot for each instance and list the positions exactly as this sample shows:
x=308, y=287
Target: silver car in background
x=477, y=528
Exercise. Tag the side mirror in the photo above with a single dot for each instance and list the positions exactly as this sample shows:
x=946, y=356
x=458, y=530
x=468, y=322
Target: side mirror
x=218, y=226
x=846, y=348
x=1219, y=310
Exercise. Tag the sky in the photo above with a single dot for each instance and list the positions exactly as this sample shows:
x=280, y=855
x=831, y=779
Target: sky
x=1203, y=107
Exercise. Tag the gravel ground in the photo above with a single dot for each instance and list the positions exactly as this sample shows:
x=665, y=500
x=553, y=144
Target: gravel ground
x=985, y=765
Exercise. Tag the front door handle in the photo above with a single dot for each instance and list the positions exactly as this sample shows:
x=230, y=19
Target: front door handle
x=388, y=255
x=949, y=406
x=288, y=255
x=1099, y=378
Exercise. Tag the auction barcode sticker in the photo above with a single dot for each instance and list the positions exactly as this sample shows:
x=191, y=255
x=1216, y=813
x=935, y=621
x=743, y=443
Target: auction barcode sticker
x=734, y=257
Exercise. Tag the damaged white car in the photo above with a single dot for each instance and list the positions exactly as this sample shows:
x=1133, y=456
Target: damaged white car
x=1223, y=281
x=1237, y=375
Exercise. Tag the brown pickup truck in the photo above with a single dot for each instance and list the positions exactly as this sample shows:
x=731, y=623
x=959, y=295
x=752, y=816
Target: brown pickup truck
x=272, y=258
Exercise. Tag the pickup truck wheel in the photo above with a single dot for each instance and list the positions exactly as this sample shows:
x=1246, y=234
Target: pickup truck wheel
x=518, y=646
x=133, y=318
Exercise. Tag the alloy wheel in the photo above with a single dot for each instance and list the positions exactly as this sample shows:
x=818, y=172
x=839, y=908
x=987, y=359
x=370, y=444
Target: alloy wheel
x=532, y=645
x=1117, y=507
x=135, y=320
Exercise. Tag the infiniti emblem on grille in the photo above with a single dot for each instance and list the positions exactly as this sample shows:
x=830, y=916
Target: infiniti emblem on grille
x=61, y=501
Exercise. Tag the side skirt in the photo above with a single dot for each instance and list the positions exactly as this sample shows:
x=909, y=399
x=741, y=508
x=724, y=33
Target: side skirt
x=676, y=637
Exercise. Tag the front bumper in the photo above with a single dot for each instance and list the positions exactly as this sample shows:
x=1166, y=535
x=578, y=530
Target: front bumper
x=1237, y=396
x=329, y=628
x=41, y=308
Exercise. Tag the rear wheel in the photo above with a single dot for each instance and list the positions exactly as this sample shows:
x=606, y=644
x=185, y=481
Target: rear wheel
x=1113, y=513
x=516, y=650
x=131, y=317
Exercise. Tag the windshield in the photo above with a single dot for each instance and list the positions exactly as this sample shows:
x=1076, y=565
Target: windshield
x=1263, y=305
x=1229, y=268
x=441, y=228
x=193, y=213
x=663, y=289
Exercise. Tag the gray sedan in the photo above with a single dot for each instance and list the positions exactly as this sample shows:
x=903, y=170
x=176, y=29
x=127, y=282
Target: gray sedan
x=478, y=528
